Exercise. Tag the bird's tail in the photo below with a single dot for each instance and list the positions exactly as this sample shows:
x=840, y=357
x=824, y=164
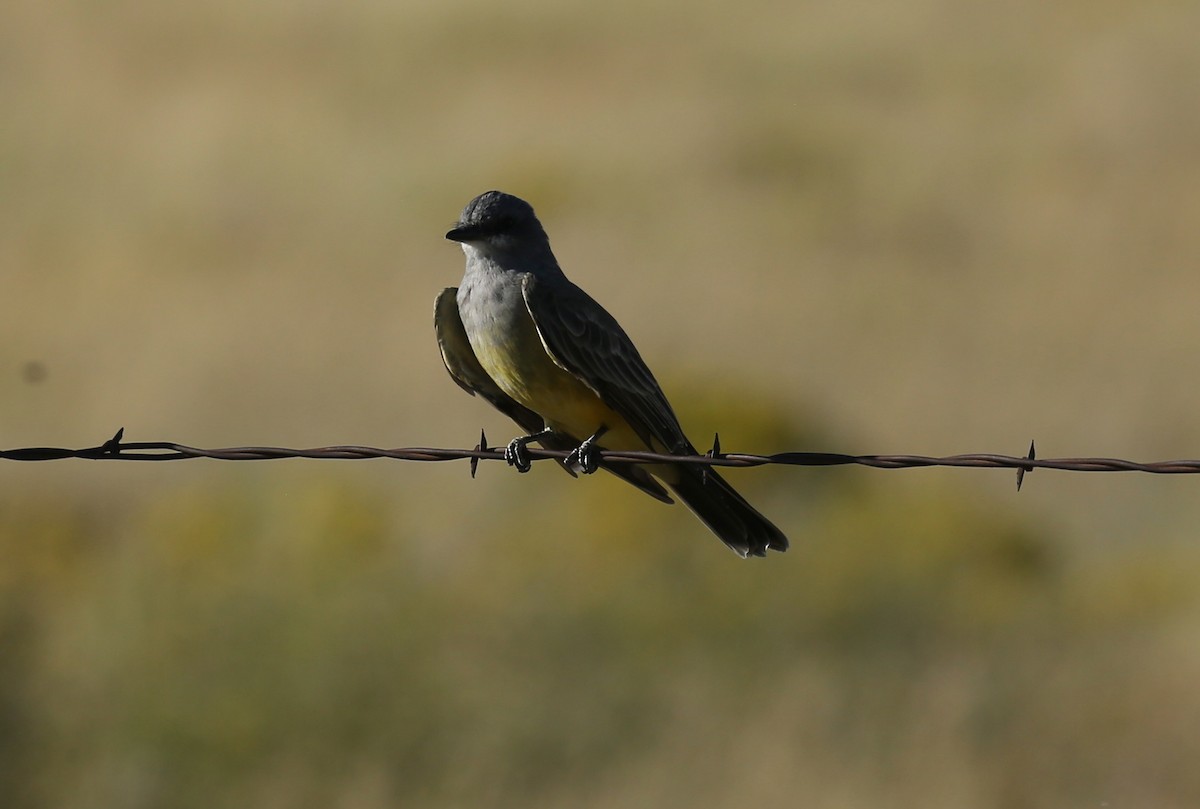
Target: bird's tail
x=725, y=512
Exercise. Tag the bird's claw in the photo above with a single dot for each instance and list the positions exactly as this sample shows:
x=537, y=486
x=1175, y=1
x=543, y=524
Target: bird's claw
x=516, y=454
x=586, y=456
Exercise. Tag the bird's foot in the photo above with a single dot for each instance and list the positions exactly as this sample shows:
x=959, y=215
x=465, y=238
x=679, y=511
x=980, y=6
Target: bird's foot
x=517, y=452
x=587, y=455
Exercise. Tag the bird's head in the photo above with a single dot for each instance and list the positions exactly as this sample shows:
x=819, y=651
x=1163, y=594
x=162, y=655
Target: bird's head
x=496, y=223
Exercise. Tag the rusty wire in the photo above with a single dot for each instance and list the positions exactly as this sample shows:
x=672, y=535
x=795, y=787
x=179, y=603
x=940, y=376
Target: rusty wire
x=116, y=449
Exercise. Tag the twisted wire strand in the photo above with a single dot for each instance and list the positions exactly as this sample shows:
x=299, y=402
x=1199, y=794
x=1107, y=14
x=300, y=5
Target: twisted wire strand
x=116, y=449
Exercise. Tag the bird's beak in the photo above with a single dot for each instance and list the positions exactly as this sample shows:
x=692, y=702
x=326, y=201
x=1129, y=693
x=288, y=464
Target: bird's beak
x=463, y=233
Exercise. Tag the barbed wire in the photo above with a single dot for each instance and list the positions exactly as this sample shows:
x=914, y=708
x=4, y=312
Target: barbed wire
x=116, y=449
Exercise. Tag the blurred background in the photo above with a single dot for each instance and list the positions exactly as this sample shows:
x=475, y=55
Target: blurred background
x=934, y=227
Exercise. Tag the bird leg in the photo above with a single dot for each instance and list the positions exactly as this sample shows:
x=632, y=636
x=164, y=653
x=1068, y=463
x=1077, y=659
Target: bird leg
x=516, y=454
x=585, y=454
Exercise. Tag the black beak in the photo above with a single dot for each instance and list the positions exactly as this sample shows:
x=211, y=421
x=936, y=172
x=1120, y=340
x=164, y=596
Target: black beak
x=463, y=233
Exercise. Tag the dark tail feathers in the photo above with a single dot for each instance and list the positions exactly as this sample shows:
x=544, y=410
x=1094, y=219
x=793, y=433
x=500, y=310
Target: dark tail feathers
x=726, y=513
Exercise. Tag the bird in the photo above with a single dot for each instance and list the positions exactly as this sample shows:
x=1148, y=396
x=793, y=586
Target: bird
x=519, y=334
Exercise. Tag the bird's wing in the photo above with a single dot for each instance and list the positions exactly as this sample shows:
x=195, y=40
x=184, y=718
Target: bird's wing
x=460, y=360
x=585, y=340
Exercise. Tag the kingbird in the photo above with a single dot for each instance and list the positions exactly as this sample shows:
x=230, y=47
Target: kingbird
x=541, y=351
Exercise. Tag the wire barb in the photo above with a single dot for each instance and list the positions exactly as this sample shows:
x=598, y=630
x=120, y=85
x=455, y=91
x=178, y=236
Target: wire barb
x=113, y=445
x=480, y=447
x=715, y=452
x=1021, y=472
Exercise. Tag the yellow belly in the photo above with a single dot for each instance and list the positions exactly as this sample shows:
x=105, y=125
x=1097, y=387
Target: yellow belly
x=522, y=369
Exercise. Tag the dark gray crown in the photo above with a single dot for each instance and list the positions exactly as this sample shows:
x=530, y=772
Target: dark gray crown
x=496, y=214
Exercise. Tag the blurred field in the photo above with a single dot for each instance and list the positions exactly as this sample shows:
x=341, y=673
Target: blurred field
x=936, y=228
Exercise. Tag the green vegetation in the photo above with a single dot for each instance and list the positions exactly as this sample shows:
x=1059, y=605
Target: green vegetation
x=232, y=644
